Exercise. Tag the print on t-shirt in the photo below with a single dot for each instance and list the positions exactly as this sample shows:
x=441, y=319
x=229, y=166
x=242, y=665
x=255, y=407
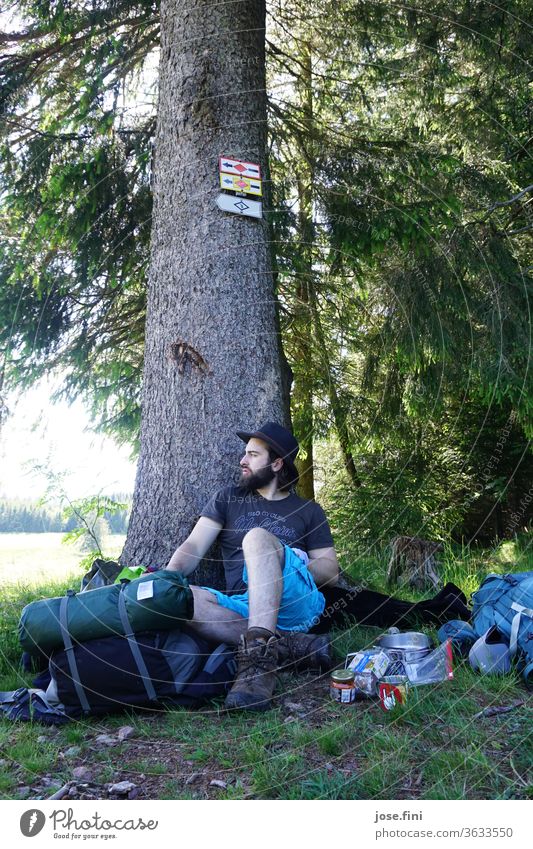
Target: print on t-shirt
x=272, y=522
x=293, y=520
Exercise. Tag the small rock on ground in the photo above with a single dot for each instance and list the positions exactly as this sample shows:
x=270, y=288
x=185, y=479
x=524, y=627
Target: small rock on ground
x=72, y=752
x=52, y=783
x=125, y=732
x=121, y=787
x=82, y=773
x=105, y=740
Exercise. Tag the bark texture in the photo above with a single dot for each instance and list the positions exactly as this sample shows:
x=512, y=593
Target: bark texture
x=413, y=563
x=213, y=360
x=304, y=379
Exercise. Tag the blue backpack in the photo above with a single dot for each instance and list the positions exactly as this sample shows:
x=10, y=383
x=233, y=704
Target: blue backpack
x=504, y=601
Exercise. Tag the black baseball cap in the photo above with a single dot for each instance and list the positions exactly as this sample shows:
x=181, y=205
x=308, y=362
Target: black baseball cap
x=277, y=436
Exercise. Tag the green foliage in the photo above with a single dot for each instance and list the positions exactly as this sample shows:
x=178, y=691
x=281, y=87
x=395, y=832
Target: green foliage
x=24, y=516
x=452, y=478
x=75, y=203
x=85, y=517
x=21, y=515
x=399, y=200
x=14, y=598
x=326, y=785
x=91, y=528
x=404, y=275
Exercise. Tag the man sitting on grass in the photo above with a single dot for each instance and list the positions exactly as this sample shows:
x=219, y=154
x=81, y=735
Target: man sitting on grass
x=277, y=550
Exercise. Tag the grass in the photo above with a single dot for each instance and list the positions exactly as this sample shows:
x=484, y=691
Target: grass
x=36, y=559
x=307, y=747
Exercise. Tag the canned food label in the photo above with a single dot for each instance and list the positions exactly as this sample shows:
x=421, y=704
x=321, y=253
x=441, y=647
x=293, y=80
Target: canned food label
x=391, y=695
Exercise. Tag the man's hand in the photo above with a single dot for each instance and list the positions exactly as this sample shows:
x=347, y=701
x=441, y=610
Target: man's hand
x=324, y=566
x=187, y=557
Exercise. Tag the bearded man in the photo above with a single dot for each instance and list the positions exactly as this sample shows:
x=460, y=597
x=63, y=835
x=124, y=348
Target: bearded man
x=277, y=551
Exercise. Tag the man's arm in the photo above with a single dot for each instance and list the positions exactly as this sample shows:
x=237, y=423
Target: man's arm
x=188, y=555
x=324, y=566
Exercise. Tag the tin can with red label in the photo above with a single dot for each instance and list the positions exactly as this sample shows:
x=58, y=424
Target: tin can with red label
x=393, y=690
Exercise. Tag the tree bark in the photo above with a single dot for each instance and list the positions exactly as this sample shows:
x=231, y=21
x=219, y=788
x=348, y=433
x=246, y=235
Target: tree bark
x=302, y=394
x=339, y=413
x=304, y=380
x=213, y=359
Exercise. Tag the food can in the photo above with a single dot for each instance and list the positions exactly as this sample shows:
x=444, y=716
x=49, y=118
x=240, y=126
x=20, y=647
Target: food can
x=393, y=690
x=342, y=686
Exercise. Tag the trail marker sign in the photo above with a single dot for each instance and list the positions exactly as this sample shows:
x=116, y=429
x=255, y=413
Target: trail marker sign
x=240, y=206
x=238, y=167
x=240, y=184
x=243, y=178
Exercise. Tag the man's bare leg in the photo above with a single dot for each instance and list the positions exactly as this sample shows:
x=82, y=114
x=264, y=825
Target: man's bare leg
x=215, y=622
x=264, y=556
x=257, y=657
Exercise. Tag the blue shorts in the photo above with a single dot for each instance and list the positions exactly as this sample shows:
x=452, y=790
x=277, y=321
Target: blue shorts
x=301, y=602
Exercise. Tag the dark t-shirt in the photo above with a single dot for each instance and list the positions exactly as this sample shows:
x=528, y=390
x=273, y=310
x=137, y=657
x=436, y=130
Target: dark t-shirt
x=293, y=520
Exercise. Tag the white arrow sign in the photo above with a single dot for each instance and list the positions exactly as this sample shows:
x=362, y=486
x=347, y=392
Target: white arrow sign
x=241, y=206
x=237, y=166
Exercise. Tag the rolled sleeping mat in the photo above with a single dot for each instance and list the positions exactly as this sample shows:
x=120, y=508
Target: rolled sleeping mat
x=157, y=601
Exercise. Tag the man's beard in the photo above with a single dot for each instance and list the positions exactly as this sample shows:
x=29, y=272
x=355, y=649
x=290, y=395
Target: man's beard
x=256, y=480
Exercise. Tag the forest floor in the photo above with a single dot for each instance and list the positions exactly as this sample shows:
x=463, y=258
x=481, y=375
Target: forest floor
x=444, y=744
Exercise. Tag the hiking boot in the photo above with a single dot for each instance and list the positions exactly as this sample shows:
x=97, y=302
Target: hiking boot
x=257, y=661
x=305, y=651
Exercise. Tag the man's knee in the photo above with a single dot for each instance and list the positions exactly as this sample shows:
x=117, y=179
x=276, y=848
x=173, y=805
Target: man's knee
x=260, y=538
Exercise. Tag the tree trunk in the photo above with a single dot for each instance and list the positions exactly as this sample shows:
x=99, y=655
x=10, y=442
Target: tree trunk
x=412, y=563
x=304, y=379
x=302, y=394
x=213, y=360
x=339, y=413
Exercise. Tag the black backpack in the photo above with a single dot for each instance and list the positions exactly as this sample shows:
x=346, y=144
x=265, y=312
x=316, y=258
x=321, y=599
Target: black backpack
x=104, y=676
x=153, y=670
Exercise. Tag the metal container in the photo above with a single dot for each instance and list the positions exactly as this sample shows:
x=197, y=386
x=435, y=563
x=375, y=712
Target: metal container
x=393, y=690
x=408, y=641
x=407, y=656
x=409, y=647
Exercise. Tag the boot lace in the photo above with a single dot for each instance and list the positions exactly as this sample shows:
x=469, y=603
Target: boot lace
x=254, y=660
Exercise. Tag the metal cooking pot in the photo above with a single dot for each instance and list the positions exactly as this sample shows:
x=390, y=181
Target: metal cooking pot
x=408, y=641
x=409, y=647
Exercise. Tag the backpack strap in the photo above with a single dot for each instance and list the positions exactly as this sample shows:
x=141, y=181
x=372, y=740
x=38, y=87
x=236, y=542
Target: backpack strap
x=134, y=646
x=515, y=625
x=527, y=672
x=511, y=579
x=69, y=651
